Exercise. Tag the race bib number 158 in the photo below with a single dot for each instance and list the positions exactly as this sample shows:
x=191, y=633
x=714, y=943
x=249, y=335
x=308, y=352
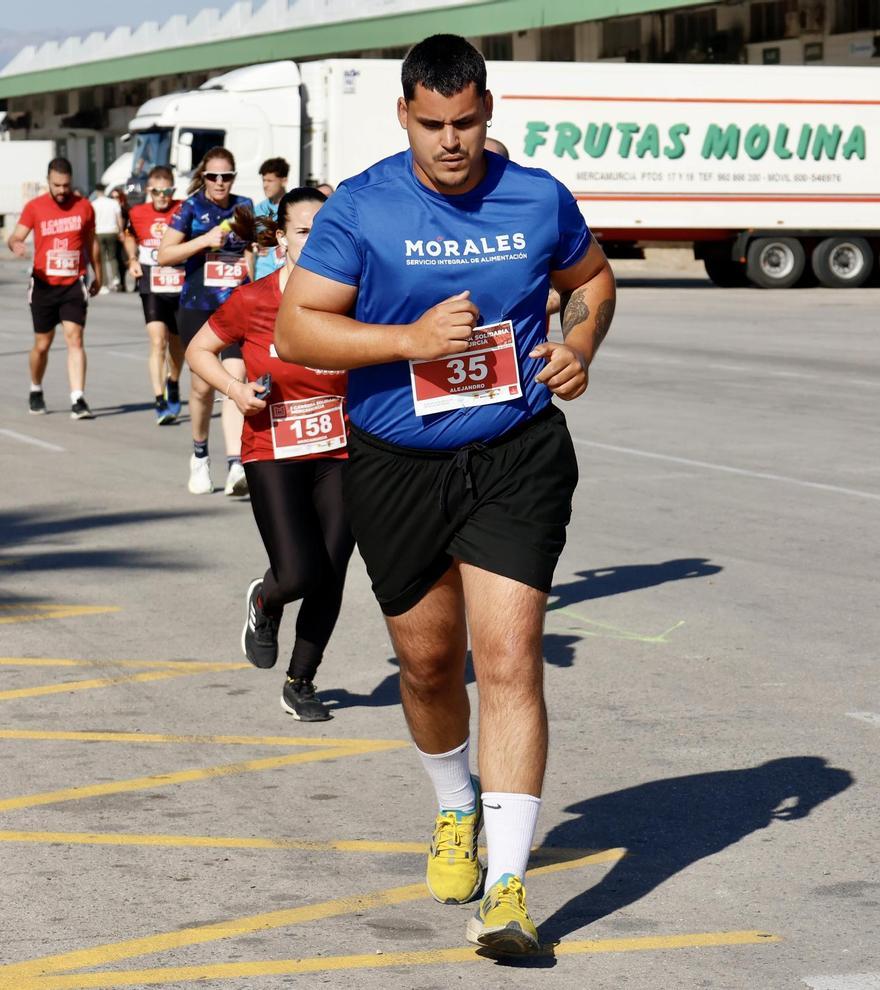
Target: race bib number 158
x=307, y=426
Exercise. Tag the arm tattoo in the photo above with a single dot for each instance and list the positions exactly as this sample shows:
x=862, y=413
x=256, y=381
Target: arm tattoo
x=603, y=319
x=574, y=310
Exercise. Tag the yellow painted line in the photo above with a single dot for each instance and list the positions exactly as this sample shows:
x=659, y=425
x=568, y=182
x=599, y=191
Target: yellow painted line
x=234, y=928
x=590, y=627
x=363, y=745
x=36, y=613
x=553, y=853
x=428, y=957
x=152, y=664
x=64, y=687
x=182, y=777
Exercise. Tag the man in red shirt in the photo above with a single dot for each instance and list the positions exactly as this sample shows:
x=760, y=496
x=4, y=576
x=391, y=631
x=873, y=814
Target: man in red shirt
x=64, y=245
x=159, y=287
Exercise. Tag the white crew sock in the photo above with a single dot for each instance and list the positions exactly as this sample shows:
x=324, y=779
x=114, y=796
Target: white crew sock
x=36, y=388
x=510, y=821
x=450, y=774
x=77, y=394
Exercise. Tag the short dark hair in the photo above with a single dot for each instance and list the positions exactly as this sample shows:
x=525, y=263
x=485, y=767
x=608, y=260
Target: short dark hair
x=60, y=165
x=277, y=166
x=100, y=187
x=446, y=63
x=160, y=172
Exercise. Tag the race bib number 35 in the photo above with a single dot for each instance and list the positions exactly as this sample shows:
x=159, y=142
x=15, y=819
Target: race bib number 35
x=224, y=271
x=486, y=372
x=167, y=280
x=307, y=426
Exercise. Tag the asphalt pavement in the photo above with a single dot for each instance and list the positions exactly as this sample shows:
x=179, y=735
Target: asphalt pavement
x=710, y=811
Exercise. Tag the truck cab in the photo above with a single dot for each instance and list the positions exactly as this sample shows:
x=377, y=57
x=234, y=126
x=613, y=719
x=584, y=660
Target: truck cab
x=254, y=112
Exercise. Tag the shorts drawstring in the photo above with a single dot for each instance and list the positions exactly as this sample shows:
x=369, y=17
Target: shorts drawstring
x=460, y=462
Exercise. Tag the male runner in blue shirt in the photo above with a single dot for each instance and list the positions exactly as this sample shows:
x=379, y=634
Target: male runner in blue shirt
x=427, y=276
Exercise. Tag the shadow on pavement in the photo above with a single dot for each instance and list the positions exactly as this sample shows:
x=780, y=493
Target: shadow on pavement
x=666, y=825
x=602, y=582
x=21, y=528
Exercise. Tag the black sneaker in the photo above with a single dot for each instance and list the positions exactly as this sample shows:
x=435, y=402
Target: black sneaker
x=299, y=698
x=37, y=404
x=80, y=410
x=259, y=638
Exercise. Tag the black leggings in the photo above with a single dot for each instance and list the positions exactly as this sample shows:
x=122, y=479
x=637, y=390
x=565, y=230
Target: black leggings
x=299, y=512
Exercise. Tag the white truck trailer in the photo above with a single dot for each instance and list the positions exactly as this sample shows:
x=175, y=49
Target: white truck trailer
x=771, y=172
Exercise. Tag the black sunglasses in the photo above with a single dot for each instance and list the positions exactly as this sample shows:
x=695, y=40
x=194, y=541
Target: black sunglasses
x=161, y=192
x=219, y=176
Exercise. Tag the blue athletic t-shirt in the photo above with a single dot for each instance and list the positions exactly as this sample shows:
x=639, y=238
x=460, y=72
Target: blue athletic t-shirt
x=195, y=217
x=408, y=248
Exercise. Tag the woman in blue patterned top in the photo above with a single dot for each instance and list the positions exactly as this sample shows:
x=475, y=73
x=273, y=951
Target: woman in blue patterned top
x=216, y=261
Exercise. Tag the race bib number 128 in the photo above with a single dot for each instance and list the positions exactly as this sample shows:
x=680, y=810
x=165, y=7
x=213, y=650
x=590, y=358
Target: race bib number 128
x=486, y=372
x=223, y=271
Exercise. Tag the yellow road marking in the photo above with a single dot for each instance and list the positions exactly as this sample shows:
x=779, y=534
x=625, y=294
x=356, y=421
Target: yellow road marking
x=554, y=853
x=429, y=957
x=152, y=664
x=590, y=627
x=63, y=687
x=199, y=935
x=187, y=776
x=36, y=613
x=156, y=737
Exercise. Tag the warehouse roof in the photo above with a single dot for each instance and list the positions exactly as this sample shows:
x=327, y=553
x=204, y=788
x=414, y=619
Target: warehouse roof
x=276, y=29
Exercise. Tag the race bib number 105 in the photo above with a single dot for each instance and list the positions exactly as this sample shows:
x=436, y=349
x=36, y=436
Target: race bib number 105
x=168, y=280
x=486, y=372
x=307, y=426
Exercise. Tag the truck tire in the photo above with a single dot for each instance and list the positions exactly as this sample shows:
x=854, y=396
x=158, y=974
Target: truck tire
x=843, y=262
x=725, y=272
x=775, y=262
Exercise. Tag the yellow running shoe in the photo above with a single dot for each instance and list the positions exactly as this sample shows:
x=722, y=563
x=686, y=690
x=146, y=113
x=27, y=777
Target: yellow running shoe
x=502, y=921
x=455, y=874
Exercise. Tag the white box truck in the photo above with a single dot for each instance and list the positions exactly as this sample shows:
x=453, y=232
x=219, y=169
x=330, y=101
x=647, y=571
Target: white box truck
x=771, y=172
x=23, y=166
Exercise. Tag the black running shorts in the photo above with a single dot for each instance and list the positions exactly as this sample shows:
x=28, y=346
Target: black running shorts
x=54, y=304
x=502, y=506
x=190, y=321
x=160, y=307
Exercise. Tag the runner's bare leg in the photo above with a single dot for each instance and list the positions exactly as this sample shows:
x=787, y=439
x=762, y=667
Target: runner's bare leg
x=76, y=355
x=506, y=621
x=175, y=357
x=431, y=644
x=201, y=404
x=38, y=357
x=230, y=415
x=158, y=334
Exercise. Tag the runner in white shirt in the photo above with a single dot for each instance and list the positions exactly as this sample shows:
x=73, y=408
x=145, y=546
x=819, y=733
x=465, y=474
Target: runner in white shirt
x=108, y=227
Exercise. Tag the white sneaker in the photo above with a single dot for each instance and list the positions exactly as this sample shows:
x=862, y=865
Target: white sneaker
x=200, y=475
x=236, y=482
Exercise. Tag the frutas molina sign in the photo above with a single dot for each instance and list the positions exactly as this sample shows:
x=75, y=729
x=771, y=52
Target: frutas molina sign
x=715, y=142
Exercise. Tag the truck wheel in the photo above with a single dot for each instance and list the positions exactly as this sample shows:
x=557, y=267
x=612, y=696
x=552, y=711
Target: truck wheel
x=775, y=262
x=725, y=272
x=843, y=262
